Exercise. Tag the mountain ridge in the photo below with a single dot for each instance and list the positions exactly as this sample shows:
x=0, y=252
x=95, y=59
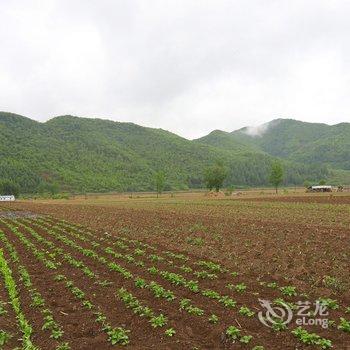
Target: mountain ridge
x=94, y=154
x=295, y=140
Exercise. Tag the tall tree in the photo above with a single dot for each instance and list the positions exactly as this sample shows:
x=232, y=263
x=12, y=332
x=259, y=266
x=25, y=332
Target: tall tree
x=49, y=187
x=307, y=184
x=9, y=188
x=160, y=182
x=215, y=175
x=276, y=175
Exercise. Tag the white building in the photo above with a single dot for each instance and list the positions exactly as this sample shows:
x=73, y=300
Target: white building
x=323, y=188
x=7, y=198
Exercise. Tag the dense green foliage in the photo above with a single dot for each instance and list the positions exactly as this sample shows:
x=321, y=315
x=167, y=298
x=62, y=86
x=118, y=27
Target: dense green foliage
x=339, y=177
x=293, y=140
x=276, y=175
x=214, y=176
x=9, y=188
x=160, y=182
x=79, y=154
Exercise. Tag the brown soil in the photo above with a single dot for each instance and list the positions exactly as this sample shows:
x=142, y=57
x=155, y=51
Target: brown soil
x=312, y=198
x=298, y=250
x=8, y=322
x=193, y=330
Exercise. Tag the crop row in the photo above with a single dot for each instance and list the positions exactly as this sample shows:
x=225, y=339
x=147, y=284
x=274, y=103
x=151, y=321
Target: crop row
x=12, y=290
x=37, y=299
x=178, y=280
x=117, y=335
x=139, y=251
x=53, y=256
x=174, y=278
x=210, y=268
x=157, y=290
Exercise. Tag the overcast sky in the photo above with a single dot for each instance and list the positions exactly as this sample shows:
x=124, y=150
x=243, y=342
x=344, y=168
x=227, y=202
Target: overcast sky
x=185, y=66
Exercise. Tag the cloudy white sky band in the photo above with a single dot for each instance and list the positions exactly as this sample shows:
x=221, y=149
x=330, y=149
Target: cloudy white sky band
x=185, y=66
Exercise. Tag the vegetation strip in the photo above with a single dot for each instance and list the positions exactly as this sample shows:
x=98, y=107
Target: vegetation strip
x=70, y=254
x=174, y=278
x=38, y=301
x=12, y=290
x=112, y=333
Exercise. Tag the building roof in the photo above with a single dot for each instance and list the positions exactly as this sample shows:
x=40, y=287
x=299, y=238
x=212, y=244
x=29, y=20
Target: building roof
x=321, y=187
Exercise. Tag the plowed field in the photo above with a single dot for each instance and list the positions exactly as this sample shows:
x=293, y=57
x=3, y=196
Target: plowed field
x=173, y=274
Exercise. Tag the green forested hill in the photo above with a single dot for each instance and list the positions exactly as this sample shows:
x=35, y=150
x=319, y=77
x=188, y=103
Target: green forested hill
x=83, y=154
x=283, y=137
x=332, y=148
x=292, y=140
x=225, y=140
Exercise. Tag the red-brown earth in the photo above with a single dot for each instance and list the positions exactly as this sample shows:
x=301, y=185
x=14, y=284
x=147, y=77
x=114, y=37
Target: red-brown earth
x=305, y=245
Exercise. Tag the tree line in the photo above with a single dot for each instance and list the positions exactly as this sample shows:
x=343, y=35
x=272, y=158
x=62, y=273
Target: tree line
x=214, y=177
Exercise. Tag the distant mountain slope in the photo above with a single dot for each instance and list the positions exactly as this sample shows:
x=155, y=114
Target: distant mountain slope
x=84, y=154
x=332, y=148
x=292, y=140
x=282, y=137
x=224, y=140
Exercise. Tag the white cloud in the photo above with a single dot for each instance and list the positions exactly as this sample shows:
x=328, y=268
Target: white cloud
x=255, y=131
x=187, y=66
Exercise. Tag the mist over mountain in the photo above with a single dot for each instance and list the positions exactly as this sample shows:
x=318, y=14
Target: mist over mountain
x=292, y=140
x=82, y=154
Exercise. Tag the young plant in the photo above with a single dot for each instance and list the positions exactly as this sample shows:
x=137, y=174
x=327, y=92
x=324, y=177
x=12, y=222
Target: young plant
x=246, y=339
x=139, y=252
x=153, y=270
x=344, y=325
x=272, y=285
x=160, y=292
x=56, y=333
x=118, y=336
x=211, y=266
x=49, y=322
x=205, y=274
x=213, y=319
x=241, y=287
x=278, y=325
x=211, y=294
x=227, y=301
x=4, y=337
x=59, y=278
x=158, y=321
x=3, y=310
x=88, y=304
x=63, y=346
x=105, y=283
x=100, y=317
x=233, y=332
x=38, y=301
x=170, y=332
x=311, y=338
x=283, y=303
x=245, y=311
x=140, y=283
x=185, y=304
x=329, y=303
x=289, y=291
x=12, y=290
